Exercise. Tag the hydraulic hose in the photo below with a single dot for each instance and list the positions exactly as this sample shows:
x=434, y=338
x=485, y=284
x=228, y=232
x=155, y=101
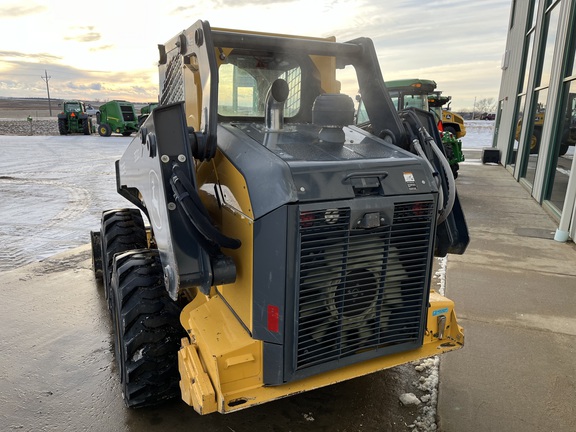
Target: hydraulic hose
x=186, y=194
x=446, y=190
x=451, y=189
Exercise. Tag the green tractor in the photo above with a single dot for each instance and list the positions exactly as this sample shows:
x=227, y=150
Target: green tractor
x=145, y=112
x=73, y=118
x=117, y=116
x=414, y=93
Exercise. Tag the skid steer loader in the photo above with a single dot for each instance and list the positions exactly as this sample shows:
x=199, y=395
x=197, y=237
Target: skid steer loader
x=274, y=247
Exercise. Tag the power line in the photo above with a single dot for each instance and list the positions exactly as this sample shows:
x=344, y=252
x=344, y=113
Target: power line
x=46, y=78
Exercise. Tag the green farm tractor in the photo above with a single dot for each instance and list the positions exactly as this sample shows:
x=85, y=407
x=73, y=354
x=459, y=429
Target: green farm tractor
x=117, y=116
x=73, y=118
x=145, y=112
x=415, y=94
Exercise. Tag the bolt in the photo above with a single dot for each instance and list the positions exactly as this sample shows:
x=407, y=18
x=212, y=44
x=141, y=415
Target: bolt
x=165, y=158
x=171, y=206
x=181, y=158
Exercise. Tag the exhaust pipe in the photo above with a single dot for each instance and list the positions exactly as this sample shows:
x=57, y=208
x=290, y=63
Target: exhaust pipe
x=275, y=99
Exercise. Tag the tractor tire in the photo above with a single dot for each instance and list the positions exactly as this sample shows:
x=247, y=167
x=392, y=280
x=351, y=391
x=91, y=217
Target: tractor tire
x=535, y=141
x=121, y=230
x=451, y=130
x=104, y=130
x=98, y=117
x=147, y=330
x=126, y=133
x=564, y=143
x=62, y=127
x=87, y=127
x=454, y=168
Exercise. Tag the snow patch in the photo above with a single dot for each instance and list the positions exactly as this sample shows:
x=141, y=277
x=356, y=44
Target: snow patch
x=409, y=399
x=429, y=369
x=138, y=355
x=308, y=417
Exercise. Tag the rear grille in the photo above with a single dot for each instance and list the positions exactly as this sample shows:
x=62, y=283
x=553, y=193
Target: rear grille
x=363, y=290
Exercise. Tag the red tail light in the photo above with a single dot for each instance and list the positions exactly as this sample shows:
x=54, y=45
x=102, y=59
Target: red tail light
x=273, y=318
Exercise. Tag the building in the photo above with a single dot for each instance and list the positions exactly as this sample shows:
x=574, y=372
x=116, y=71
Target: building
x=535, y=128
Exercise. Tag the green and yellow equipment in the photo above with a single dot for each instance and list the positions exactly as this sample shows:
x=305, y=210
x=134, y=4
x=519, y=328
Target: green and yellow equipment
x=418, y=94
x=452, y=122
x=117, y=116
x=285, y=248
x=73, y=118
x=145, y=112
x=568, y=127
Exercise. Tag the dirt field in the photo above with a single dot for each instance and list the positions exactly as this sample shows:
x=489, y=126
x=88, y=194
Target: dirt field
x=13, y=108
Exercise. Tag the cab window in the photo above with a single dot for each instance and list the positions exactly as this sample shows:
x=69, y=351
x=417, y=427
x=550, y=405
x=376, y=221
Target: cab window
x=244, y=81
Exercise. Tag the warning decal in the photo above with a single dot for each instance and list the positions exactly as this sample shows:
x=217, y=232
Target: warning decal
x=410, y=181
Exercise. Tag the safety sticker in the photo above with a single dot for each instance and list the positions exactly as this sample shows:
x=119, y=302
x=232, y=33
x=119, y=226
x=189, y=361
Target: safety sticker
x=410, y=181
x=440, y=311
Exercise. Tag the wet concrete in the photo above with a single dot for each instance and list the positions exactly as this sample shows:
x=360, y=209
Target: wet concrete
x=515, y=288
x=59, y=372
x=53, y=190
x=57, y=367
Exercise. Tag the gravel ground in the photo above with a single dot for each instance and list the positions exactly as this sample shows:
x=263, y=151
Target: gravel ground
x=16, y=127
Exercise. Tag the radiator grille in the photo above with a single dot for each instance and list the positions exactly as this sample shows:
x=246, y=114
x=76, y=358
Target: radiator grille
x=360, y=290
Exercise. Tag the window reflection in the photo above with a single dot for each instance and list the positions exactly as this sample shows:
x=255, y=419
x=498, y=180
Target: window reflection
x=536, y=135
x=553, y=17
x=535, y=13
x=565, y=142
x=528, y=59
x=514, y=150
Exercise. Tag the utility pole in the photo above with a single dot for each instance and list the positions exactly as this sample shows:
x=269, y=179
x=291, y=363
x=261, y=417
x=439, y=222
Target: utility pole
x=46, y=78
x=474, y=109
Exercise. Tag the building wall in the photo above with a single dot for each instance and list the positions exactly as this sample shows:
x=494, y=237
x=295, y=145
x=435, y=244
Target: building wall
x=533, y=105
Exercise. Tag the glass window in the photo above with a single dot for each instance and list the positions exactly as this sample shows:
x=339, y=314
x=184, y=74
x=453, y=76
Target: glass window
x=571, y=71
x=512, y=14
x=526, y=69
x=516, y=135
x=409, y=100
x=395, y=99
x=552, y=17
x=244, y=82
x=361, y=115
x=565, y=142
x=536, y=134
x=534, y=14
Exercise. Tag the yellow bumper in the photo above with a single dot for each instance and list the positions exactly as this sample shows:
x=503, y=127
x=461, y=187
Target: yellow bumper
x=221, y=365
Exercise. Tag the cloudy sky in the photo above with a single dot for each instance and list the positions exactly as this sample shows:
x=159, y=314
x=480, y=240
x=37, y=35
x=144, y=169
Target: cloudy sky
x=108, y=49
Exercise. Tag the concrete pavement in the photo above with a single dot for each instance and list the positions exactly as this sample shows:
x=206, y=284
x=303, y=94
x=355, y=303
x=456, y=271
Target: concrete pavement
x=515, y=293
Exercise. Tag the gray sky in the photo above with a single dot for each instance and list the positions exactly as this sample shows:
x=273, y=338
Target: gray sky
x=108, y=49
